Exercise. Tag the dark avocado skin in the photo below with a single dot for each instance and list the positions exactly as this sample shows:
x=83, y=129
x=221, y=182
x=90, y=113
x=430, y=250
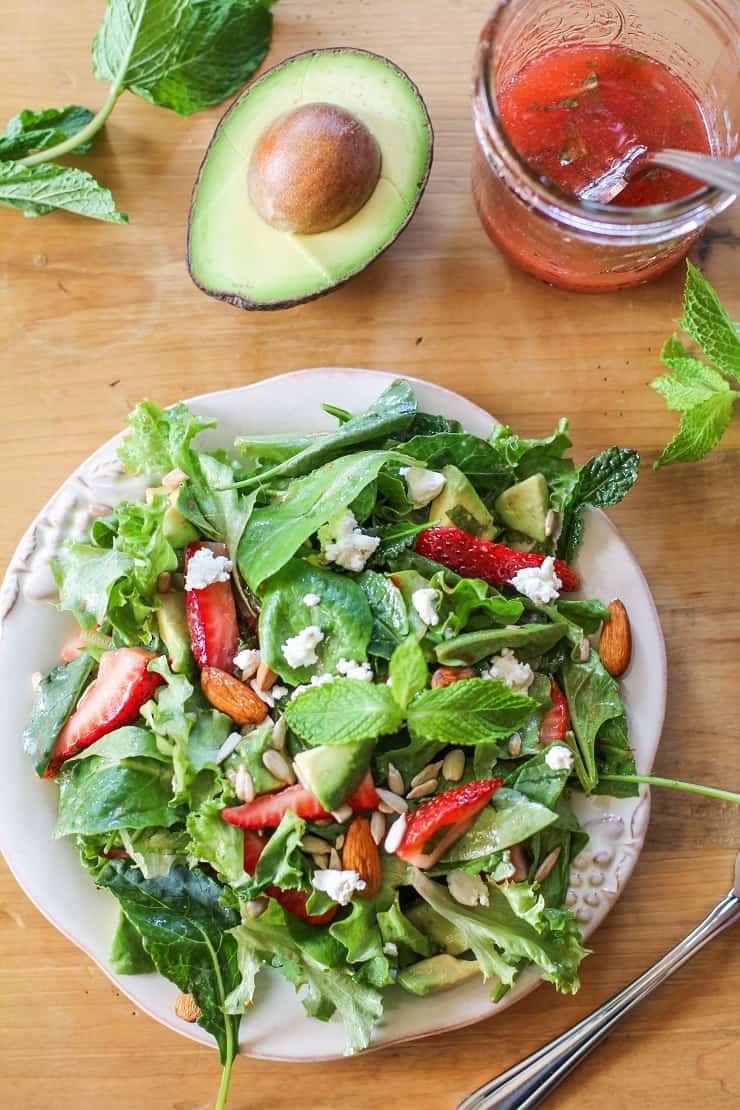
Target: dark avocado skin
x=259, y=306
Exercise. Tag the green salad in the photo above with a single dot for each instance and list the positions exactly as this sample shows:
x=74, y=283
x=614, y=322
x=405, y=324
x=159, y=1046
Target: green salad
x=329, y=701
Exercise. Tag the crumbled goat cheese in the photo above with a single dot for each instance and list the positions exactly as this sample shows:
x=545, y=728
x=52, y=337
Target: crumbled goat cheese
x=298, y=650
x=559, y=758
x=517, y=675
x=339, y=885
x=311, y=600
x=248, y=661
x=390, y=949
x=279, y=692
x=316, y=680
x=468, y=890
x=205, y=568
x=425, y=602
x=350, y=669
x=422, y=485
x=540, y=584
x=350, y=547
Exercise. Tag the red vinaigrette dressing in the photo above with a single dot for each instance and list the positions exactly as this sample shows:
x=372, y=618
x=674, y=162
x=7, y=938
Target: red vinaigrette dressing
x=572, y=111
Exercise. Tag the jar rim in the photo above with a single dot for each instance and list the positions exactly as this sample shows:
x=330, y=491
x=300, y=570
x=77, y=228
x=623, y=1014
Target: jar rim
x=655, y=221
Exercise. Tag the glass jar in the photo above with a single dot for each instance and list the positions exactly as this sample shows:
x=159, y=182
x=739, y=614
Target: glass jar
x=572, y=243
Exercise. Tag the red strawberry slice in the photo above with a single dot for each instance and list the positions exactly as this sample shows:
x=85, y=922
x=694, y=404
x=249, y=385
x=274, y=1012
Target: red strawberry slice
x=267, y=811
x=211, y=613
x=474, y=558
x=438, y=823
x=111, y=701
x=554, y=724
x=293, y=901
x=72, y=647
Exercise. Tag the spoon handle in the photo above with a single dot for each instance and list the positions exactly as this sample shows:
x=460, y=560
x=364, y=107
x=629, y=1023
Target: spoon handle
x=724, y=173
x=527, y=1083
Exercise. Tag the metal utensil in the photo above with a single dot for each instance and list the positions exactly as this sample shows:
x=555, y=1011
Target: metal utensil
x=526, y=1084
x=724, y=173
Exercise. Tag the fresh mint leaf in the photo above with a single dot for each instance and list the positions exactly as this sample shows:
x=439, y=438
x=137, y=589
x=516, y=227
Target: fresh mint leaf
x=54, y=699
x=706, y=321
x=527, y=640
x=408, y=673
x=181, y=54
x=700, y=429
x=602, y=482
x=347, y=710
x=477, y=710
x=46, y=186
x=28, y=131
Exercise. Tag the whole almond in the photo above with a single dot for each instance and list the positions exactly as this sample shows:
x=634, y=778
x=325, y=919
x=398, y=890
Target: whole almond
x=186, y=1008
x=360, y=853
x=615, y=645
x=445, y=676
x=232, y=697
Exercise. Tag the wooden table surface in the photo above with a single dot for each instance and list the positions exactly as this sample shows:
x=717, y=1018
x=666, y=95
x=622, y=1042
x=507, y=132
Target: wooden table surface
x=93, y=317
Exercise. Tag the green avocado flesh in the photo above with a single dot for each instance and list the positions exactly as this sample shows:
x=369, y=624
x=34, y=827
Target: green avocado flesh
x=332, y=771
x=173, y=628
x=233, y=254
x=524, y=506
x=459, y=506
x=438, y=973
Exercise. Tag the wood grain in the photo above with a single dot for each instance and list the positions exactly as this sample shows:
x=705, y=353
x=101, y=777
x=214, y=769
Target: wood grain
x=93, y=317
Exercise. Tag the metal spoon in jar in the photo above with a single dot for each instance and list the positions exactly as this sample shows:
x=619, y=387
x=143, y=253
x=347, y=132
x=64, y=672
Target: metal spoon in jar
x=723, y=173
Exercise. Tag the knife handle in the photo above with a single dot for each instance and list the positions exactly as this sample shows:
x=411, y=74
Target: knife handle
x=527, y=1083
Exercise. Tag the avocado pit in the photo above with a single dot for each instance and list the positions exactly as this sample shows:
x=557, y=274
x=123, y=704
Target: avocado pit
x=313, y=169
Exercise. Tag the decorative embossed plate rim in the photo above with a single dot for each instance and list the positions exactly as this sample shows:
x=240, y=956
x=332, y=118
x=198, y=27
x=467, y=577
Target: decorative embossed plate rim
x=30, y=638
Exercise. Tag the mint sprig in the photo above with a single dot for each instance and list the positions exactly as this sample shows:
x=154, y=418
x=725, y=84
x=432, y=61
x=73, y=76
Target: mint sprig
x=703, y=392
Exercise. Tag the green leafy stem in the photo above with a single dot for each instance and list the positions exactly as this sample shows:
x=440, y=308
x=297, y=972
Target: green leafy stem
x=675, y=784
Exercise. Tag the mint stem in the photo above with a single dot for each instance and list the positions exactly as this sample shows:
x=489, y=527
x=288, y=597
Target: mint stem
x=675, y=784
x=88, y=131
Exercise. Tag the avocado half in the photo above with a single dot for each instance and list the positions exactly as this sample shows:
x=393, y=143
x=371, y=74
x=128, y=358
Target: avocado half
x=233, y=254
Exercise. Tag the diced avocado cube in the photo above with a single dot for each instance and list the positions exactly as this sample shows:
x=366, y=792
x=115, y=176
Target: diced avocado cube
x=178, y=531
x=438, y=973
x=433, y=925
x=524, y=507
x=459, y=506
x=173, y=628
x=333, y=771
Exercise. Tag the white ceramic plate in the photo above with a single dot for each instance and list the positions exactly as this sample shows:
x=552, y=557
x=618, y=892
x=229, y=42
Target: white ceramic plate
x=31, y=634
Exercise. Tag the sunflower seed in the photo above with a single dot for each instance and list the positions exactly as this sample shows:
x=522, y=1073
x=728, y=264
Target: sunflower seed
x=547, y=865
x=395, y=779
x=394, y=802
x=515, y=744
x=423, y=789
x=322, y=822
x=453, y=765
x=256, y=906
x=377, y=826
x=395, y=836
x=429, y=772
x=164, y=582
x=243, y=784
x=173, y=479
x=314, y=844
x=342, y=814
x=321, y=861
x=584, y=649
x=335, y=862
x=339, y=842
x=279, y=733
x=552, y=524
x=230, y=744
x=278, y=766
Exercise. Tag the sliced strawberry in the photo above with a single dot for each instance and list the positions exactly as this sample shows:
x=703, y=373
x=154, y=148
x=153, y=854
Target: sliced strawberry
x=438, y=823
x=474, y=558
x=211, y=613
x=72, y=647
x=111, y=701
x=293, y=901
x=267, y=811
x=554, y=724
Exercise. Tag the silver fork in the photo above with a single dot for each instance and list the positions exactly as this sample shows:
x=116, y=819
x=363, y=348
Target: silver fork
x=527, y=1083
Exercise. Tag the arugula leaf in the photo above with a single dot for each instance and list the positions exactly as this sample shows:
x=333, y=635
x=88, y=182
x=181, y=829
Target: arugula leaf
x=43, y=187
x=511, y=818
x=476, y=709
x=96, y=796
x=477, y=459
x=186, y=930
x=538, y=781
x=708, y=324
x=593, y=698
x=127, y=955
x=28, y=130
x=54, y=699
x=346, y=710
x=527, y=640
x=390, y=620
x=392, y=412
x=343, y=615
x=587, y=614
x=525, y=457
x=602, y=482
x=408, y=673
x=275, y=533
x=614, y=756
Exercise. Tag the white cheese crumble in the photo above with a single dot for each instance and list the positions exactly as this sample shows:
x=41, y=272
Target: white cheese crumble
x=517, y=675
x=299, y=650
x=350, y=547
x=390, y=949
x=316, y=680
x=311, y=600
x=269, y=697
x=559, y=758
x=422, y=485
x=425, y=601
x=339, y=885
x=540, y=584
x=248, y=661
x=350, y=669
x=468, y=890
x=205, y=568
